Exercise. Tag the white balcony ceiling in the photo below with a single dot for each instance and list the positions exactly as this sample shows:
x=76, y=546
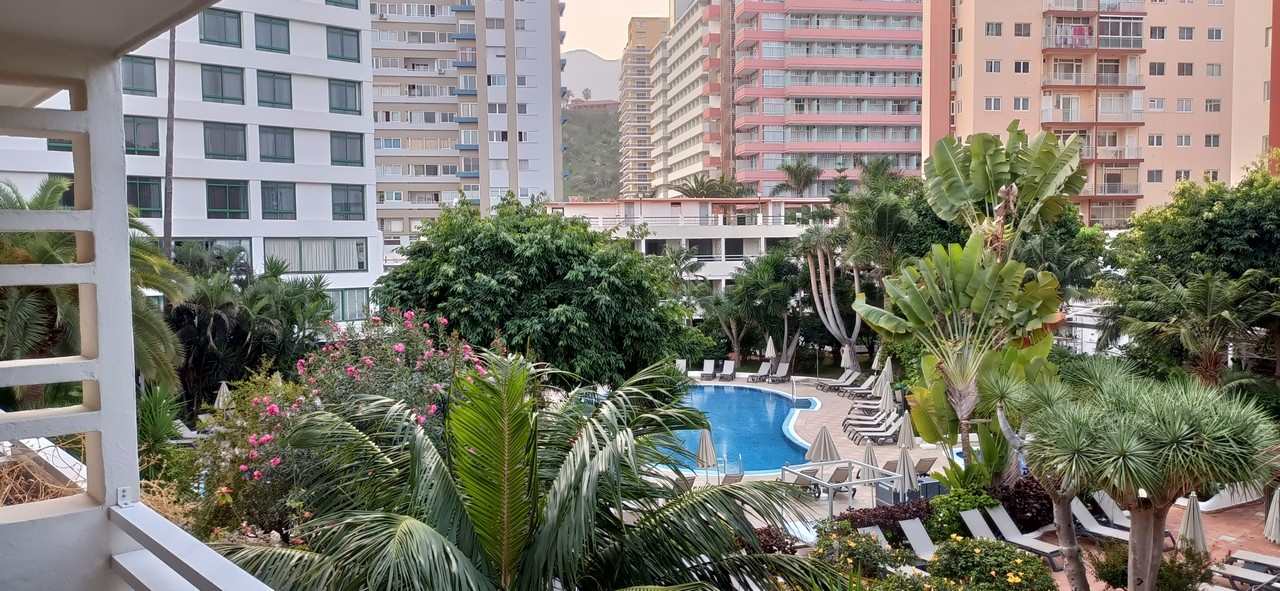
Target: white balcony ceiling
x=41, y=38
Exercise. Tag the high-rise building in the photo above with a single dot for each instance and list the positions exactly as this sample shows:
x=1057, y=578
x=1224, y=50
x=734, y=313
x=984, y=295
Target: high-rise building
x=1255, y=118
x=1148, y=85
x=466, y=98
x=272, y=138
x=834, y=82
x=635, y=91
x=690, y=71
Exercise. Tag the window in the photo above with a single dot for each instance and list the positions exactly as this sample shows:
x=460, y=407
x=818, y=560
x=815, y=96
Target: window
x=992, y=103
x=1022, y=103
x=279, y=201
x=1155, y=140
x=1021, y=29
x=1155, y=176
x=222, y=84
x=346, y=149
x=497, y=136
x=348, y=202
x=344, y=44
x=271, y=34
x=1213, y=70
x=57, y=145
x=318, y=255
x=138, y=75
x=275, y=90
x=1186, y=33
x=1157, y=33
x=995, y=29
x=141, y=135
x=520, y=24
x=1184, y=105
x=1155, y=68
x=1213, y=105
x=275, y=143
x=1266, y=90
x=497, y=79
x=495, y=24
x=523, y=81
x=1212, y=140
x=469, y=137
x=1215, y=34
x=523, y=108
x=226, y=200
x=144, y=194
x=1184, y=140
x=1155, y=104
x=1182, y=175
x=1210, y=175
x=344, y=97
x=1186, y=69
x=993, y=66
x=349, y=305
x=1021, y=67
x=224, y=141
x=497, y=108
x=220, y=27
x=344, y=3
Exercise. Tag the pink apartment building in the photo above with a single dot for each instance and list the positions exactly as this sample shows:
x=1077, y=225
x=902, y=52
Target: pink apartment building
x=833, y=80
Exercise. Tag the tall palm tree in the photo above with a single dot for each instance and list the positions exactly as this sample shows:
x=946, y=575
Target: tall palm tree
x=1198, y=317
x=767, y=287
x=166, y=242
x=820, y=247
x=528, y=494
x=878, y=176
x=801, y=176
x=699, y=186
x=40, y=321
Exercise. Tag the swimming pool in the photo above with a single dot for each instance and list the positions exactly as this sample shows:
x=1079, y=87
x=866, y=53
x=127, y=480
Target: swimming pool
x=751, y=423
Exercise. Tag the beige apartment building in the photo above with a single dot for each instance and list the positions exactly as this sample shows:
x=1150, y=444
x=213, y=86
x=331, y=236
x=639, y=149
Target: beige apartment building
x=1255, y=126
x=635, y=92
x=1148, y=84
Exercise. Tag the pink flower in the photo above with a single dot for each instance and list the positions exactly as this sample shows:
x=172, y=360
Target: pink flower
x=470, y=380
x=417, y=365
x=313, y=393
x=244, y=468
x=409, y=315
x=273, y=410
x=275, y=461
x=265, y=439
x=253, y=455
x=428, y=354
x=367, y=362
x=255, y=401
x=421, y=419
x=408, y=325
x=432, y=409
x=426, y=324
x=302, y=367
x=399, y=361
x=398, y=347
x=443, y=321
x=257, y=475
x=351, y=370
x=311, y=381
x=266, y=400
x=375, y=319
x=480, y=370
x=253, y=440
x=435, y=387
x=293, y=407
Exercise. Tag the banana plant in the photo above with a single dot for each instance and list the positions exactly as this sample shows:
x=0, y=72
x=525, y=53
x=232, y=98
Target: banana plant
x=962, y=303
x=1004, y=191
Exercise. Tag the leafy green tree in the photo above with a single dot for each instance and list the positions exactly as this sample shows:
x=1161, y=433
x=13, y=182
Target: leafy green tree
x=962, y=303
x=928, y=229
x=549, y=285
x=593, y=155
x=767, y=287
x=43, y=321
x=535, y=494
x=726, y=309
x=801, y=175
x=1070, y=250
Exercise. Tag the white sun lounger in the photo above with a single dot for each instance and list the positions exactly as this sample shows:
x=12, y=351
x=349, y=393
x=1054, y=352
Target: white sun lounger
x=879, y=535
x=979, y=529
x=919, y=539
x=1113, y=511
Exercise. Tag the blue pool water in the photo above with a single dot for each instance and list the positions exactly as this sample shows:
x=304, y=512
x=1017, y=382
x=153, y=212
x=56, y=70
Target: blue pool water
x=748, y=422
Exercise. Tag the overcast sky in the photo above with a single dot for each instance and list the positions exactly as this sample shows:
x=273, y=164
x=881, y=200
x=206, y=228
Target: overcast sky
x=601, y=25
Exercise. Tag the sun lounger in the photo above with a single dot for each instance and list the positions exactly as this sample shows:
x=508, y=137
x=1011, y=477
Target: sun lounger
x=782, y=375
x=731, y=479
x=863, y=389
x=1212, y=587
x=841, y=476
x=924, y=465
x=1271, y=563
x=682, y=366
x=728, y=373
x=684, y=484
x=805, y=480
x=845, y=380
x=1096, y=530
x=803, y=531
x=708, y=369
x=978, y=528
x=889, y=434
x=1114, y=513
x=868, y=423
x=879, y=535
x=1014, y=536
x=759, y=376
x=1241, y=577
x=919, y=539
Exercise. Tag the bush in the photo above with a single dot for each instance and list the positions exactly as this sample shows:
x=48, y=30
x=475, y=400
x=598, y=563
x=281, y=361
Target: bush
x=772, y=541
x=1181, y=570
x=887, y=517
x=946, y=520
x=901, y=582
x=989, y=565
x=1027, y=503
x=843, y=547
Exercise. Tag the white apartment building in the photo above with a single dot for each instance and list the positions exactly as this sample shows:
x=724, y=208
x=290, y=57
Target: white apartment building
x=273, y=138
x=466, y=102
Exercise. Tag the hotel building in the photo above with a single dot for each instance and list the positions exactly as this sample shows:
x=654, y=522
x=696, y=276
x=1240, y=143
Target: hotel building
x=466, y=101
x=635, y=92
x=1147, y=84
x=273, y=138
x=829, y=80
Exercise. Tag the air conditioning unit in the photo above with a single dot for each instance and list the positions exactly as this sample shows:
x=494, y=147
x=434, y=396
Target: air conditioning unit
x=382, y=16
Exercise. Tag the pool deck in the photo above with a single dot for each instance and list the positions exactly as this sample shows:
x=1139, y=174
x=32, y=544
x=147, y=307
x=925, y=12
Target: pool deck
x=1229, y=530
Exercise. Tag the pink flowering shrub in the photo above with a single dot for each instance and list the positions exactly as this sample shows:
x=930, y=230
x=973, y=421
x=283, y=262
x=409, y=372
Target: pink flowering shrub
x=249, y=473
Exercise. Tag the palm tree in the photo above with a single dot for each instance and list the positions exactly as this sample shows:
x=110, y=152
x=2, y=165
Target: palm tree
x=766, y=287
x=801, y=176
x=878, y=176
x=40, y=321
x=725, y=308
x=1146, y=443
x=529, y=493
x=699, y=186
x=1198, y=317
x=820, y=246
x=166, y=243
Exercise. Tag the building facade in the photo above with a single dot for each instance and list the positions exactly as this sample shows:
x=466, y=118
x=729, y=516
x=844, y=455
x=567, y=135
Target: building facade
x=1147, y=84
x=467, y=104
x=273, y=139
x=690, y=73
x=636, y=93
x=1255, y=119
x=830, y=81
